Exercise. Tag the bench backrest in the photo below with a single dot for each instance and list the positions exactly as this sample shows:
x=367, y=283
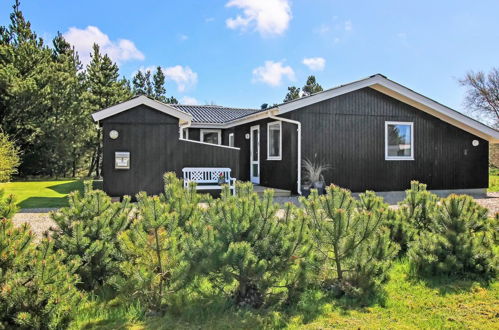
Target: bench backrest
x=205, y=174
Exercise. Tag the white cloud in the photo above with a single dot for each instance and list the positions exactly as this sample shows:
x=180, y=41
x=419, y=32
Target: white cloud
x=183, y=76
x=188, y=100
x=348, y=25
x=268, y=17
x=315, y=63
x=120, y=51
x=272, y=73
x=183, y=37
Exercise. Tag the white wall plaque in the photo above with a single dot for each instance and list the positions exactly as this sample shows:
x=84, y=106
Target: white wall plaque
x=122, y=160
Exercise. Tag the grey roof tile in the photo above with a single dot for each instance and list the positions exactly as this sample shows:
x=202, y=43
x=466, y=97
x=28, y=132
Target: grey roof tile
x=214, y=113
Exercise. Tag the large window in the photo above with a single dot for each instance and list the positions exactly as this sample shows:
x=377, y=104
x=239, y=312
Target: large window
x=213, y=136
x=399, y=140
x=274, y=140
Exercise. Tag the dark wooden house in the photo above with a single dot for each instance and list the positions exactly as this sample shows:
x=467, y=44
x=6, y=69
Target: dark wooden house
x=373, y=133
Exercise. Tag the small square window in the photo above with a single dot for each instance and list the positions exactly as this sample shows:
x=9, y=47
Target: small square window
x=213, y=136
x=399, y=140
x=274, y=140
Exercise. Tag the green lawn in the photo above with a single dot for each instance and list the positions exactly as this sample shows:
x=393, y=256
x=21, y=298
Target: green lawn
x=40, y=194
x=407, y=304
x=494, y=180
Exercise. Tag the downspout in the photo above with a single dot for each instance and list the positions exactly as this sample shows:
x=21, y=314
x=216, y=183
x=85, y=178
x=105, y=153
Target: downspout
x=298, y=124
x=182, y=127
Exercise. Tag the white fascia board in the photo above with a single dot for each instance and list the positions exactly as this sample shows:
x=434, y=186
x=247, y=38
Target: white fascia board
x=141, y=100
x=405, y=95
x=440, y=111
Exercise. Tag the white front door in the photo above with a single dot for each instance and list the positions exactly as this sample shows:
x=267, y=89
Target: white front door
x=255, y=154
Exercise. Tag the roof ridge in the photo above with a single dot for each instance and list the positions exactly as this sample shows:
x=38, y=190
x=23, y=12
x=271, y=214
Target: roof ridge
x=213, y=106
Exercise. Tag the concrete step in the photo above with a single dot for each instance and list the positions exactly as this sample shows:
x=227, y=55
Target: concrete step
x=277, y=192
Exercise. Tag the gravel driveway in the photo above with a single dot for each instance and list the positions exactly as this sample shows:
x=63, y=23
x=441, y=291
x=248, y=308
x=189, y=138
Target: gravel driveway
x=40, y=221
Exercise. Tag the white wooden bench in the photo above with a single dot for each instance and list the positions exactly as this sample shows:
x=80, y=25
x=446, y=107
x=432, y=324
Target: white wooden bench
x=207, y=178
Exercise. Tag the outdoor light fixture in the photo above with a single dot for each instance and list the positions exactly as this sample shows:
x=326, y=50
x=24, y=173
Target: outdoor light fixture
x=247, y=136
x=475, y=143
x=114, y=134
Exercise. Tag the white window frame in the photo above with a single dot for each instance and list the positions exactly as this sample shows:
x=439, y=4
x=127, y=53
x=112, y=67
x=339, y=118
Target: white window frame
x=204, y=131
x=279, y=157
x=186, y=130
x=231, y=136
x=408, y=123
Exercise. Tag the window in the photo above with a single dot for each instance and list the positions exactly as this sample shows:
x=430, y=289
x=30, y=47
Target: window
x=231, y=139
x=399, y=140
x=185, y=133
x=213, y=136
x=274, y=141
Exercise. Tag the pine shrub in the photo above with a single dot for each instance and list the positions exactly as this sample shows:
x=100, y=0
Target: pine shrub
x=251, y=252
x=8, y=206
x=413, y=217
x=37, y=286
x=87, y=232
x=459, y=242
x=154, y=268
x=9, y=158
x=353, y=248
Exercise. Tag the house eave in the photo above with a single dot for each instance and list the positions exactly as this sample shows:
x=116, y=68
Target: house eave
x=141, y=100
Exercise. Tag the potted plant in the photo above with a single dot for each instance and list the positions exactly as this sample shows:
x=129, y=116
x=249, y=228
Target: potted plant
x=221, y=179
x=313, y=176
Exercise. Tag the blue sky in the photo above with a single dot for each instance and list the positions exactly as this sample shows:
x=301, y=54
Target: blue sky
x=246, y=52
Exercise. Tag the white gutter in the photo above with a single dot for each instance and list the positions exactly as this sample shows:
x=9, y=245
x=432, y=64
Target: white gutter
x=298, y=124
x=182, y=127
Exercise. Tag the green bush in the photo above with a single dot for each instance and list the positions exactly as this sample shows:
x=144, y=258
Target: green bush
x=458, y=242
x=414, y=215
x=251, y=252
x=87, y=232
x=154, y=265
x=37, y=286
x=9, y=158
x=353, y=248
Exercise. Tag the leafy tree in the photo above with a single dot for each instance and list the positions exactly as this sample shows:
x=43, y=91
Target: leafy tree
x=8, y=206
x=87, y=232
x=311, y=86
x=249, y=247
x=483, y=93
x=352, y=246
x=460, y=241
x=9, y=158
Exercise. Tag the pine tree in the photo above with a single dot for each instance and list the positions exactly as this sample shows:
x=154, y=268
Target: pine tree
x=104, y=90
x=139, y=84
x=353, y=248
x=460, y=241
x=8, y=206
x=311, y=86
x=293, y=94
x=9, y=158
x=247, y=245
x=87, y=231
x=159, y=85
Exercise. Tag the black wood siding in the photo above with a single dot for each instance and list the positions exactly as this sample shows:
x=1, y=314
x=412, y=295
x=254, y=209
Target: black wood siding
x=348, y=132
x=152, y=138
